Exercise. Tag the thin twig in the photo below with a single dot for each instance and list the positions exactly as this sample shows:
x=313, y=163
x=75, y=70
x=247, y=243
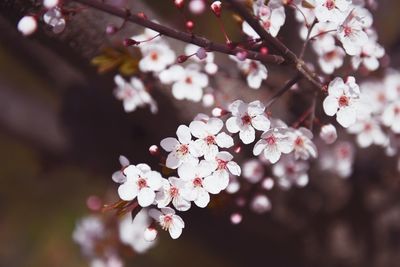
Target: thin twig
x=289, y=56
x=310, y=27
x=284, y=89
x=179, y=35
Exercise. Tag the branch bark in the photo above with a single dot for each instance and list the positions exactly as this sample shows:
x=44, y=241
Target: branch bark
x=287, y=54
x=179, y=35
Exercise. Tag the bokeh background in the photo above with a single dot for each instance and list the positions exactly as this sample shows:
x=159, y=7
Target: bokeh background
x=61, y=132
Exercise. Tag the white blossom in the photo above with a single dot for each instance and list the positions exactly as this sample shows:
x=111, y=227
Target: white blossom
x=245, y=118
x=169, y=221
x=156, y=57
x=172, y=191
x=273, y=143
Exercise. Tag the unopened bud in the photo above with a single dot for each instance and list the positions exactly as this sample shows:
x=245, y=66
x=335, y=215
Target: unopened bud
x=179, y=3
x=236, y=218
x=154, y=150
x=150, y=234
x=130, y=42
x=201, y=53
x=264, y=50
x=142, y=15
x=189, y=25
x=237, y=149
x=216, y=8
x=182, y=58
x=218, y=112
x=27, y=25
x=111, y=29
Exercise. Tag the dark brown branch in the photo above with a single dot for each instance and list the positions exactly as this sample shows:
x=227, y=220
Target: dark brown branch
x=288, y=55
x=179, y=35
x=284, y=89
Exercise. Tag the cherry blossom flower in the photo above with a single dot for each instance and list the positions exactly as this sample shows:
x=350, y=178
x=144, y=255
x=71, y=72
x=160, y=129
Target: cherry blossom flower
x=27, y=25
x=141, y=182
x=222, y=166
x=133, y=94
x=253, y=170
x=156, y=57
x=302, y=144
x=209, y=138
x=271, y=18
x=131, y=232
x=291, y=172
x=194, y=175
x=331, y=60
x=50, y=3
x=338, y=160
x=255, y=72
x=391, y=116
x=341, y=100
x=352, y=35
x=87, y=232
x=209, y=66
x=172, y=190
x=119, y=176
x=369, y=55
x=188, y=83
x=169, y=221
x=245, y=118
x=55, y=19
x=331, y=10
x=273, y=143
x=368, y=132
x=328, y=134
x=260, y=204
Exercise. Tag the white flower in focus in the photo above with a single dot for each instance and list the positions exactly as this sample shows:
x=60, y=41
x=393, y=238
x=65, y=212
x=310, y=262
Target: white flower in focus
x=188, y=83
x=352, y=35
x=273, y=143
x=391, y=116
x=119, y=176
x=156, y=57
x=55, y=19
x=27, y=25
x=341, y=100
x=194, y=189
x=172, y=191
x=245, y=118
x=133, y=94
x=169, y=221
x=291, y=172
x=209, y=138
x=331, y=10
x=222, y=167
x=131, y=232
x=328, y=134
x=302, y=144
x=141, y=182
x=368, y=132
x=181, y=149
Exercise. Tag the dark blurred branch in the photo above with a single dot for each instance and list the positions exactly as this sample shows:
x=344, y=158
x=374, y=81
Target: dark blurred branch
x=288, y=55
x=179, y=35
x=284, y=89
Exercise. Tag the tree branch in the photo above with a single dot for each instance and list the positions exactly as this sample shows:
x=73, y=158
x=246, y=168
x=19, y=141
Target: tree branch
x=287, y=54
x=284, y=89
x=179, y=35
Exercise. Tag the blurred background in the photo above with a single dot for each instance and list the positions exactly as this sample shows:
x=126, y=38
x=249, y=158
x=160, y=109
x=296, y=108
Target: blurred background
x=62, y=130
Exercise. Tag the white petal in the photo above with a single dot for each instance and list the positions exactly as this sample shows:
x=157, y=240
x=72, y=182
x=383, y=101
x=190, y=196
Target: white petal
x=261, y=122
x=346, y=116
x=146, y=197
x=330, y=105
x=234, y=168
x=259, y=147
x=127, y=191
x=169, y=144
x=198, y=129
x=247, y=135
x=223, y=140
x=232, y=125
x=173, y=161
x=211, y=184
x=203, y=198
x=175, y=231
x=154, y=180
x=183, y=134
x=214, y=125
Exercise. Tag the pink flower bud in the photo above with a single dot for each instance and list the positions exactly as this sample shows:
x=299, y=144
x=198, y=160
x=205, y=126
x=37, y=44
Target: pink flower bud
x=111, y=29
x=150, y=234
x=179, y=3
x=130, y=42
x=154, y=150
x=328, y=133
x=216, y=8
x=189, y=25
x=201, y=53
x=264, y=50
x=241, y=55
x=236, y=218
x=182, y=58
x=267, y=183
x=27, y=25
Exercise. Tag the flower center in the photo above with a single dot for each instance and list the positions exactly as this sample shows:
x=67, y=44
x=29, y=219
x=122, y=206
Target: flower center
x=154, y=56
x=343, y=101
x=246, y=119
x=210, y=140
x=197, y=182
x=173, y=191
x=167, y=221
x=290, y=169
x=188, y=80
x=330, y=4
x=141, y=183
x=221, y=164
x=396, y=111
x=299, y=141
x=183, y=149
x=347, y=31
x=368, y=127
x=271, y=140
